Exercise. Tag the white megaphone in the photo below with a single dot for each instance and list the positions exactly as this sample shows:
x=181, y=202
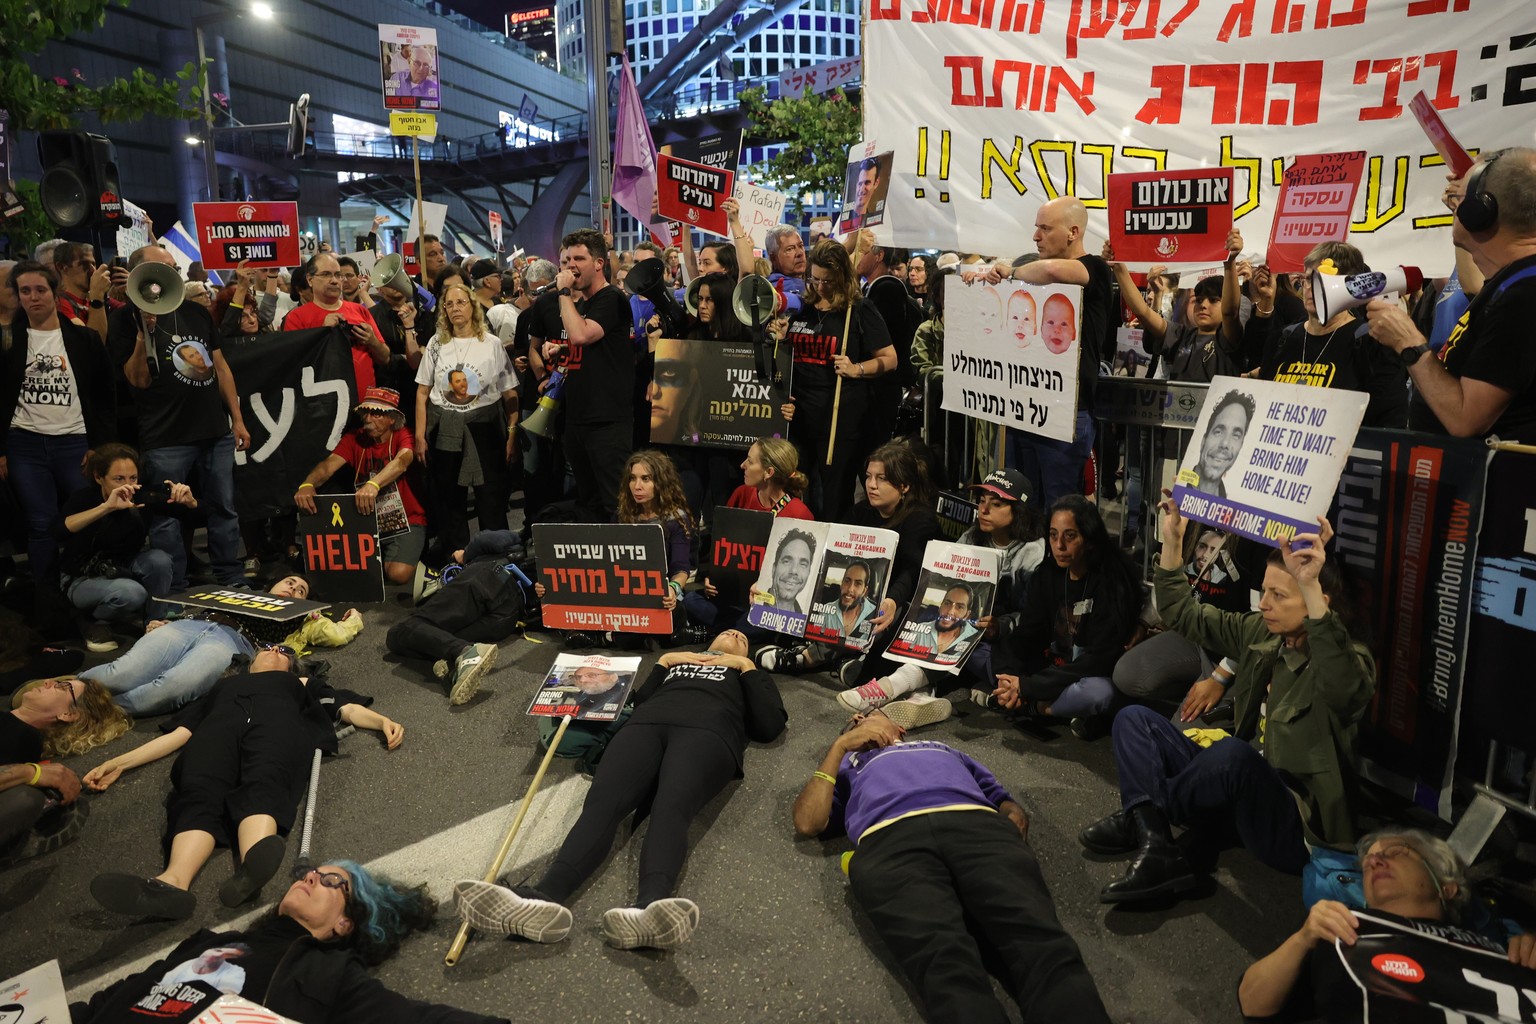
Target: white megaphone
x=1333, y=293
x=691, y=298
x=756, y=301
x=390, y=271
x=156, y=288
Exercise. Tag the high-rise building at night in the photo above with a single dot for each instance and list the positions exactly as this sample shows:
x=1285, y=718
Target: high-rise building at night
x=533, y=25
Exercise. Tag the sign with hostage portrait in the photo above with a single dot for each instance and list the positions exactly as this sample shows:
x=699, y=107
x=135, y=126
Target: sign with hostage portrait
x=941, y=626
x=855, y=569
x=708, y=393
x=1264, y=458
x=589, y=688
x=781, y=597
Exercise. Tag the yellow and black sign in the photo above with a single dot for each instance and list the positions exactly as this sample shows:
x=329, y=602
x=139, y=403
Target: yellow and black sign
x=410, y=122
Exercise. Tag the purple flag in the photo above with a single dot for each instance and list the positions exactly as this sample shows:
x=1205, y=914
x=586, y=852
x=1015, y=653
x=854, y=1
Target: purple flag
x=634, y=159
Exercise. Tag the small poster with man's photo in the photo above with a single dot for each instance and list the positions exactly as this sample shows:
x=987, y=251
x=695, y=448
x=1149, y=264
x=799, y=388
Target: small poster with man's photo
x=588, y=687
x=855, y=568
x=781, y=598
x=946, y=619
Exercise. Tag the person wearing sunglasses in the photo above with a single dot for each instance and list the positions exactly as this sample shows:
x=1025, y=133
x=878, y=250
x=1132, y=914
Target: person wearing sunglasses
x=1408, y=876
x=243, y=764
x=49, y=718
x=306, y=960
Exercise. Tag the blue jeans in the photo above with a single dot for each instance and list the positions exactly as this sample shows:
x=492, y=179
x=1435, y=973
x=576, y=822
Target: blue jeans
x=214, y=462
x=1222, y=788
x=1054, y=467
x=148, y=577
x=44, y=470
x=175, y=664
x=1091, y=695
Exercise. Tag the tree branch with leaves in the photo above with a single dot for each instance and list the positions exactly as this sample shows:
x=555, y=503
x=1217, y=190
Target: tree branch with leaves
x=816, y=131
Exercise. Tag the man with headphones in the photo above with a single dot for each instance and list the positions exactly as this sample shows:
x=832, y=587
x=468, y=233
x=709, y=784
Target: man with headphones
x=1483, y=380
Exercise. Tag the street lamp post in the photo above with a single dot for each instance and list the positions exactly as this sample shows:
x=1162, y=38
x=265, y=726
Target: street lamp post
x=210, y=161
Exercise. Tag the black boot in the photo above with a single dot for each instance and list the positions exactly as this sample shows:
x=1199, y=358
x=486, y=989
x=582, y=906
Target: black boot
x=1159, y=868
x=1110, y=835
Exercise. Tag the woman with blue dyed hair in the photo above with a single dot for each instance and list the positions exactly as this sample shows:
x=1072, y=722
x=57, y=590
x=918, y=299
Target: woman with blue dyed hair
x=305, y=960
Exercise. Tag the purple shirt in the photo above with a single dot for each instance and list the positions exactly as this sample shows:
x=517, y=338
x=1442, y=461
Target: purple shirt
x=877, y=786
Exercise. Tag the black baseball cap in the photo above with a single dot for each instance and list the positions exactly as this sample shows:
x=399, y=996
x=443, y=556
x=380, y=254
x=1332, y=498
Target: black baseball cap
x=1008, y=484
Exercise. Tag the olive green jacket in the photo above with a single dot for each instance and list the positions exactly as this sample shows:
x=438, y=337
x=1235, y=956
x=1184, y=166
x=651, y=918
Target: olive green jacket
x=1315, y=695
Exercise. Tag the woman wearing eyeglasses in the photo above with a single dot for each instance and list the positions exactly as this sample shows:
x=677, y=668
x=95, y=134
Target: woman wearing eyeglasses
x=245, y=751
x=306, y=960
x=1408, y=875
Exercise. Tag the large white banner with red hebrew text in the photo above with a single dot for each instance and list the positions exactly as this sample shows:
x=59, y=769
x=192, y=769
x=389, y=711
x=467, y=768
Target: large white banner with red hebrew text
x=995, y=106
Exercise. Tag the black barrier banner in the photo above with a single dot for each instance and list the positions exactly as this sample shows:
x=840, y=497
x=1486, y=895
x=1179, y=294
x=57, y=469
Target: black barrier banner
x=708, y=393
x=721, y=150
x=956, y=512
x=1416, y=972
x=341, y=549
x=736, y=553
x=611, y=578
x=296, y=392
x=246, y=602
x=1500, y=702
x=1407, y=515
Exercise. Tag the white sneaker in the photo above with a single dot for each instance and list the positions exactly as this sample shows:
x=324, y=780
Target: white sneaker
x=665, y=924
x=861, y=700
x=500, y=911
x=918, y=710
x=472, y=665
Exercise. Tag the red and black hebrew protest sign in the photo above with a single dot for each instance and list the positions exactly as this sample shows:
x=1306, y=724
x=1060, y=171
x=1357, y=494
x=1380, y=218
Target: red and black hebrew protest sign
x=1406, y=518
x=736, y=552
x=246, y=602
x=708, y=393
x=993, y=109
x=603, y=578
x=1420, y=972
x=1457, y=160
x=588, y=687
x=1314, y=207
x=265, y=234
x=341, y=549
x=1170, y=216
x=692, y=194
x=296, y=391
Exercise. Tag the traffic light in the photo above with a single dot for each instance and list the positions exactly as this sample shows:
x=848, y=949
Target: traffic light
x=80, y=182
x=298, y=125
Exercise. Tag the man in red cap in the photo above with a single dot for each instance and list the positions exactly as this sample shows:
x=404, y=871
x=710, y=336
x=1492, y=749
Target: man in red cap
x=379, y=453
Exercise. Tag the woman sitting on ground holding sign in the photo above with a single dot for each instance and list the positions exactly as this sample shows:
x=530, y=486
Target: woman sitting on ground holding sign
x=1302, y=685
x=1408, y=876
x=899, y=497
x=178, y=661
x=1080, y=613
x=772, y=482
x=245, y=754
x=686, y=740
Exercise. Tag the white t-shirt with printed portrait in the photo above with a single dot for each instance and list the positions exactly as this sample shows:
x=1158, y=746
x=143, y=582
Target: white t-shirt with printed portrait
x=466, y=374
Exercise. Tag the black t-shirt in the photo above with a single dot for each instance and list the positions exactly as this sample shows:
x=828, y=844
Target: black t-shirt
x=1194, y=357
x=1101, y=316
x=1341, y=360
x=19, y=742
x=722, y=700
x=817, y=336
x=600, y=377
x=182, y=403
x=901, y=315
x=1491, y=343
x=117, y=536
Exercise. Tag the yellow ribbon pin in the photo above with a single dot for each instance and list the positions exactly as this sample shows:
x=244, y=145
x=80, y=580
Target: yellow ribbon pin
x=336, y=514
